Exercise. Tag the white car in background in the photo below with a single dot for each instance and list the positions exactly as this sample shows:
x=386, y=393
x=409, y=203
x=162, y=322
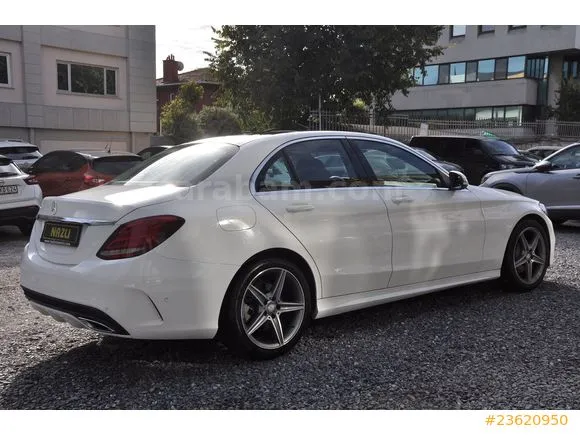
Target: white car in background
x=22, y=153
x=248, y=238
x=20, y=197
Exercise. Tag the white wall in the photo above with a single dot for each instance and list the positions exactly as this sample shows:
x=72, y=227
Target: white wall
x=52, y=97
x=14, y=93
x=53, y=145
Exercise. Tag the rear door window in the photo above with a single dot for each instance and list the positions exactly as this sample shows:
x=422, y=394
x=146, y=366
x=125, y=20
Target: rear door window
x=114, y=165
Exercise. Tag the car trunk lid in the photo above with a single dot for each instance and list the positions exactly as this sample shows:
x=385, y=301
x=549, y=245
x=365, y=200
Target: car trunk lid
x=92, y=214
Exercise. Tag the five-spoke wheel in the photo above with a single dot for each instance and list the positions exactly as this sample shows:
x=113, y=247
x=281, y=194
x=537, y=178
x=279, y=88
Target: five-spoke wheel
x=527, y=256
x=267, y=310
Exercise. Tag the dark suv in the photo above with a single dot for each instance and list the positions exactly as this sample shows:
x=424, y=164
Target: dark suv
x=476, y=155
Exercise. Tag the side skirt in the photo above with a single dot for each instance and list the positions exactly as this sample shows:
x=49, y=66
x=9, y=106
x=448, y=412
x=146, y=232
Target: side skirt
x=342, y=304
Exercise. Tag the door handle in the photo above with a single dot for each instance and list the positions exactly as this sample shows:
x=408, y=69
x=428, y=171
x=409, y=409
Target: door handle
x=67, y=179
x=296, y=208
x=402, y=199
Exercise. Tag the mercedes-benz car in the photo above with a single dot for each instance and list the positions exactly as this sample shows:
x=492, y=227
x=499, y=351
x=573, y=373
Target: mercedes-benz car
x=249, y=238
x=555, y=181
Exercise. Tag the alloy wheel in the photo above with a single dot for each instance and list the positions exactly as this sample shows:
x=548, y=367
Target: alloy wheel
x=530, y=255
x=272, y=309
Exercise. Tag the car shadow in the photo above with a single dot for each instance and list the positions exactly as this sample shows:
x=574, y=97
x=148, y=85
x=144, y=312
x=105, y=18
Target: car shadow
x=111, y=372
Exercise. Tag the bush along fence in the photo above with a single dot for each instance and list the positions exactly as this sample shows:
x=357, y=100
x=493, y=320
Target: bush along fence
x=402, y=128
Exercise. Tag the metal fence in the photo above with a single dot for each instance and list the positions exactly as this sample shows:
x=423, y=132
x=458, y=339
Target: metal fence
x=402, y=128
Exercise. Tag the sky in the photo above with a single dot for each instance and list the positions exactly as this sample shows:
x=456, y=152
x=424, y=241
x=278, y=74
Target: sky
x=187, y=44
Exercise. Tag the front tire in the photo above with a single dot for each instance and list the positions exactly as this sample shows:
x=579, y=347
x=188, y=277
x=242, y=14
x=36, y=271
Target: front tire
x=266, y=310
x=527, y=255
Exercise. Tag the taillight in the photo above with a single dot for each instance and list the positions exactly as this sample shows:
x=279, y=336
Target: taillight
x=139, y=236
x=93, y=181
x=31, y=180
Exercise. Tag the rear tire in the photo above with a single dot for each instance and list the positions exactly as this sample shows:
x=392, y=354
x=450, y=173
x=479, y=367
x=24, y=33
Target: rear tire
x=526, y=257
x=266, y=310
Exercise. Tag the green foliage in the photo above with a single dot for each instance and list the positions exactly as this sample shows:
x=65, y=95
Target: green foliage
x=179, y=121
x=219, y=121
x=191, y=93
x=281, y=70
x=178, y=118
x=568, y=102
x=252, y=119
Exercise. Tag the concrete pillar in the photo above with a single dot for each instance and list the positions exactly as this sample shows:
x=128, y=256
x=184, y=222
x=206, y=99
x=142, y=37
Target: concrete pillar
x=555, y=78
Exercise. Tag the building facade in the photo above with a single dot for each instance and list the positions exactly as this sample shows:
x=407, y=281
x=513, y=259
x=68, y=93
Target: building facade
x=494, y=72
x=78, y=86
x=168, y=86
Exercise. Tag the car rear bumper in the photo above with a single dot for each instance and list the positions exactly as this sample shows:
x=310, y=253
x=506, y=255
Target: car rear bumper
x=19, y=212
x=148, y=297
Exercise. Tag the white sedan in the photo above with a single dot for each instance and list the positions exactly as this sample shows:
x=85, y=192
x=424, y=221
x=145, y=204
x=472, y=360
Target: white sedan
x=248, y=238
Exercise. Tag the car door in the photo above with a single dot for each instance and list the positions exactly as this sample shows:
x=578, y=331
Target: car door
x=558, y=188
x=437, y=233
x=313, y=187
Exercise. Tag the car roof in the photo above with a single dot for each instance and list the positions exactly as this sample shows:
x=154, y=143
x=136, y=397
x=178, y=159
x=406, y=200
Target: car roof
x=458, y=136
x=245, y=140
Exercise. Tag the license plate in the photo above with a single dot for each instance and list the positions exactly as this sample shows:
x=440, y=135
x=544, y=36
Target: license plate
x=8, y=190
x=61, y=234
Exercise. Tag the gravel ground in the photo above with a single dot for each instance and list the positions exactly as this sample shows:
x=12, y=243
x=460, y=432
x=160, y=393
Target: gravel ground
x=468, y=348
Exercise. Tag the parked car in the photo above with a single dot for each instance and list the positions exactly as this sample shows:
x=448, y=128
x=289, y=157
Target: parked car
x=540, y=152
x=151, y=151
x=21, y=153
x=555, y=181
x=250, y=237
x=476, y=155
x=19, y=198
x=448, y=166
x=63, y=172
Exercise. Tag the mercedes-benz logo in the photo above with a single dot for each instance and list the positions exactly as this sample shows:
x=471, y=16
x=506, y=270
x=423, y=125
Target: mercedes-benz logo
x=53, y=208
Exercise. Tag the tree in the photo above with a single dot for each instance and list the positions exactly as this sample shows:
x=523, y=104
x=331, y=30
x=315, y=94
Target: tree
x=178, y=117
x=568, y=101
x=219, y=121
x=281, y=70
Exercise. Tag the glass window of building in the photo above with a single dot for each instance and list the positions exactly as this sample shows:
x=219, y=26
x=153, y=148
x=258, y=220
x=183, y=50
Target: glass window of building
x=443, y=74
x=501, y=68
x=458, y=31
x=485, y=70
x=499, y=113
x=513, y=113
x=510, y=28
x=418, y=76
x=431, y=74
x=486, y=29
x=457, y=72
x=483, y=113
x=471, y=72
x=516, y=67
x=470, y=114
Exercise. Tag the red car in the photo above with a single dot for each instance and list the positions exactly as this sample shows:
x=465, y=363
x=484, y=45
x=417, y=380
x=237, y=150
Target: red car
x=62, y=172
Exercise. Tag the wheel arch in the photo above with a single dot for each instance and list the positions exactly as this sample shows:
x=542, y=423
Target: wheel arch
x=286, y=254
x=543, y=224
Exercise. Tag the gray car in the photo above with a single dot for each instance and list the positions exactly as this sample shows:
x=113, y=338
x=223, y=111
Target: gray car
x=554, y=181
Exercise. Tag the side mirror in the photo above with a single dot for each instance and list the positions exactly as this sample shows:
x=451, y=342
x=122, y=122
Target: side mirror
x=543, y=166
x=457, y=180
x=5, y=161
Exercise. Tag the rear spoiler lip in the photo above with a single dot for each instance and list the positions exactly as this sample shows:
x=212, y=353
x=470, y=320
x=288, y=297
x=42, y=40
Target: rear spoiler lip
x=81, y=221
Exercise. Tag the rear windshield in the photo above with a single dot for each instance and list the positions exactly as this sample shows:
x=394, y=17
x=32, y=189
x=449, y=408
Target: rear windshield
x=183, y=165
x=114, y=165
x=8, y=169
x=20, y=152
x=499, y=148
